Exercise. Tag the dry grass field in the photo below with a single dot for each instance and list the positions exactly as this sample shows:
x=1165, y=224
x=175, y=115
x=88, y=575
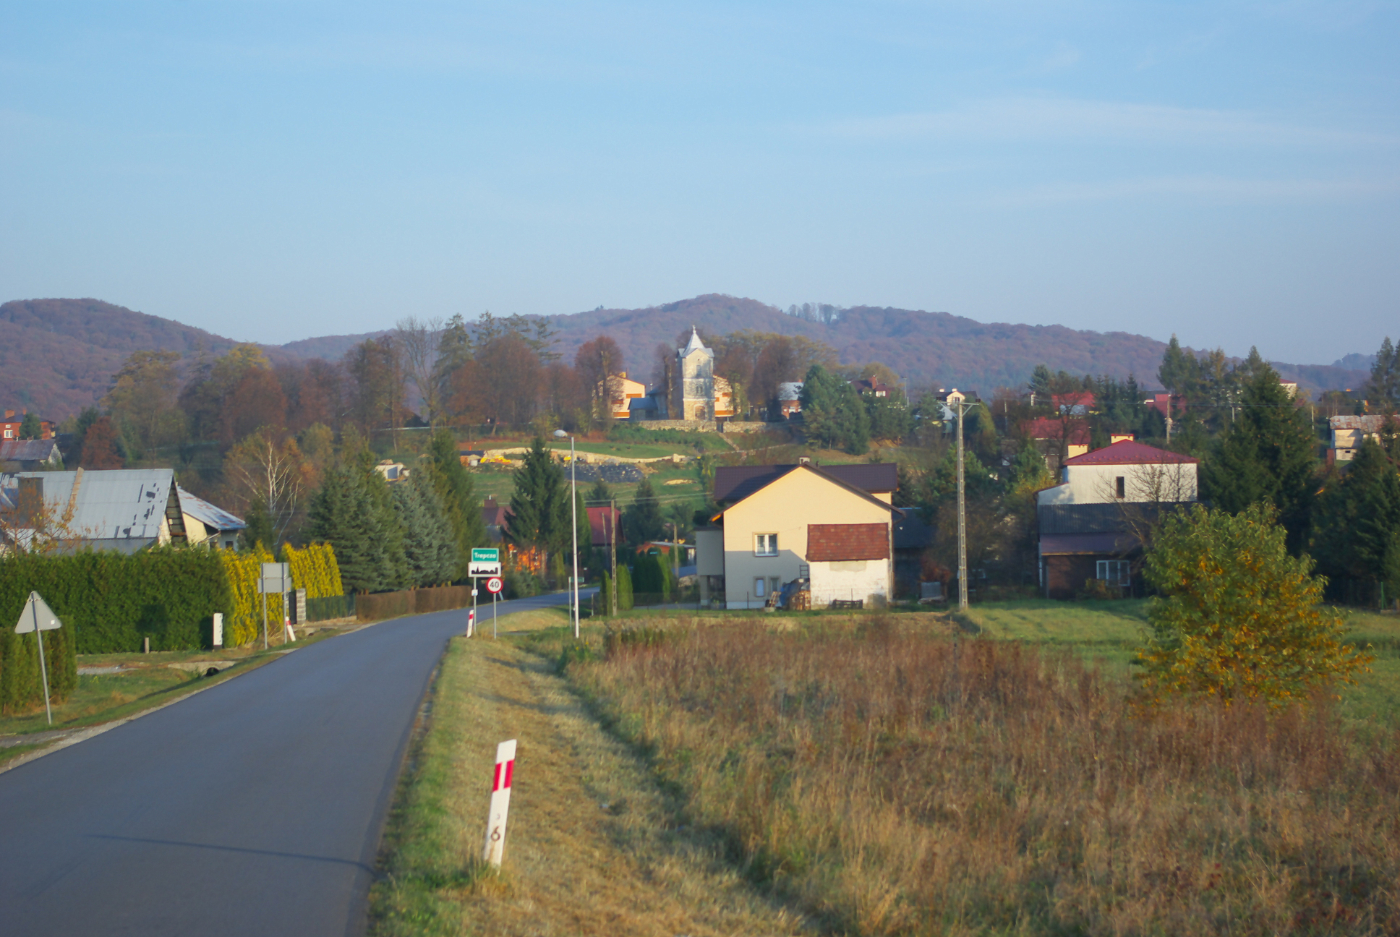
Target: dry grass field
x=887, y=774
x=889, y=780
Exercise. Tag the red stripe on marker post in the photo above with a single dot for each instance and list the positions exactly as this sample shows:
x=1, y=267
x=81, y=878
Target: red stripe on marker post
x=500, y=803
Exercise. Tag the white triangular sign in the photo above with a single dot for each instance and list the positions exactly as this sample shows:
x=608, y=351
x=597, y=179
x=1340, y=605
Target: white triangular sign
x=36, y=610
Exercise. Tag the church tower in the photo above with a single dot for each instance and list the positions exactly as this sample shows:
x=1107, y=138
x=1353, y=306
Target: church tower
x=693, y=390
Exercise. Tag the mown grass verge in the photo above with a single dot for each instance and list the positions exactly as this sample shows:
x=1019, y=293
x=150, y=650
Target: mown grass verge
x=594, y=845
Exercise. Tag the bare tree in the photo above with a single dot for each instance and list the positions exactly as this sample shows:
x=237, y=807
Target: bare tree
x=271, y=473
x=418, y=341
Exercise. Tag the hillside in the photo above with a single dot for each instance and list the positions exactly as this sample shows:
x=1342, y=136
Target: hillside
x=58, y=355
x=925, y=348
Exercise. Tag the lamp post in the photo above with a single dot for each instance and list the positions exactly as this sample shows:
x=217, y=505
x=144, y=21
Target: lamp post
x=573, y=512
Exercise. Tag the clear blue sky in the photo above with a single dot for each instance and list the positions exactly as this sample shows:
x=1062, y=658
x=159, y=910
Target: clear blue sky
x=274, y=170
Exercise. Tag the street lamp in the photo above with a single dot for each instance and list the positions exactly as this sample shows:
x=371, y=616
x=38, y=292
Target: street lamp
x=573, y=511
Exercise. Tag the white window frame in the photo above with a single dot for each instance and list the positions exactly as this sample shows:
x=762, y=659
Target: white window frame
x=1114, y=572
x=765, y=544
x=760, y=586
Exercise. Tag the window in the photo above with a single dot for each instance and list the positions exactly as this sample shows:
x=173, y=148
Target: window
x=765, y=545
x=760, y=586
x=1120, y=489
x=9, y=434
x=1114, y=572
x=775, y=583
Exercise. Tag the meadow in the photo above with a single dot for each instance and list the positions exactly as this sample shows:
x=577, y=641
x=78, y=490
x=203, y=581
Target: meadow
x=891, y=773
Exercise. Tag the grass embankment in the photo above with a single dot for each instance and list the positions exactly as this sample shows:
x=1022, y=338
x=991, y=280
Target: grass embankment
x=593, y=844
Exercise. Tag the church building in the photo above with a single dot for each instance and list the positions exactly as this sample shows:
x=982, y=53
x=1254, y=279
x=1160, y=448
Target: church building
x=696, y=393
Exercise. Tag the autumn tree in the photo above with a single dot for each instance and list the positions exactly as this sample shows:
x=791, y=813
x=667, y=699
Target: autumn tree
x=597, y=363
x=268, y=471
x=376, y=384
x=1238, y=617
x=141, y=400
x=419, y=339
x=100, y=447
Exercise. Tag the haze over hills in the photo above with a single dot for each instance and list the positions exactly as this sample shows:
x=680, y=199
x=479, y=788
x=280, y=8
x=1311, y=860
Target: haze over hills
x=58, y=355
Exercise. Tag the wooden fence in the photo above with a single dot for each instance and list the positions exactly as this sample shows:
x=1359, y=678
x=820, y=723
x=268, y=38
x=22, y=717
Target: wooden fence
x=380, y=605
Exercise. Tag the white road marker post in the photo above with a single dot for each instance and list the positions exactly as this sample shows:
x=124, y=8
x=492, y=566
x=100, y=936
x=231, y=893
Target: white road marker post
x=500, y=804
x=471, y=622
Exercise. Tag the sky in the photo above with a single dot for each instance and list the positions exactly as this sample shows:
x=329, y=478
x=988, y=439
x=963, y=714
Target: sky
x=269, y=171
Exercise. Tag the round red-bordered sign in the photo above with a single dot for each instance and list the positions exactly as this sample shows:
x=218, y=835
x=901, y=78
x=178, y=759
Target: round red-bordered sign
x=494, y=585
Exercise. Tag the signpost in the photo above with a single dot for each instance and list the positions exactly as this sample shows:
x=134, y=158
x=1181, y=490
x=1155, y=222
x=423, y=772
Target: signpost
x=276, y=578
x=486, y=561
x=38, y=618
x=494, y=585
x=500, y=804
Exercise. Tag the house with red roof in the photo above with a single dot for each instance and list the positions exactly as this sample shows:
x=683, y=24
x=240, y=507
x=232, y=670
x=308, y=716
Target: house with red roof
x=822, y=531
x=1091, y=524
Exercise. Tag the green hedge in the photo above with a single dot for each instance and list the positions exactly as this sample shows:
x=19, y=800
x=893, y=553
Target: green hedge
x=21, y=684
x=109, y=601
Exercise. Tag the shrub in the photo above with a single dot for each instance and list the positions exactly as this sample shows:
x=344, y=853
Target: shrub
x=1240, y=617
x=112, y=600
x=244, y=618
x=314, y=568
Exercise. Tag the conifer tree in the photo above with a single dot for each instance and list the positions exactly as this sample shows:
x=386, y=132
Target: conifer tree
x=540, y=503
x=430, y=554
x=345, y=514
x=1384, y=388
x=460, y=505
x=643, y=520
x=1268, y=456
x=1358, y=519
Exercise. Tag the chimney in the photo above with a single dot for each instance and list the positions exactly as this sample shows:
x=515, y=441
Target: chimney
x=804, y=460
x=1121, y=437
x=9, y=414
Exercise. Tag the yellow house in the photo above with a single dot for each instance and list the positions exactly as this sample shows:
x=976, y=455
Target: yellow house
x=828, y=528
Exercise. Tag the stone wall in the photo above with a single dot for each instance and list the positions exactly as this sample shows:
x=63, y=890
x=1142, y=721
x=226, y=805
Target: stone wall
x=737, y=426
x=693, y=426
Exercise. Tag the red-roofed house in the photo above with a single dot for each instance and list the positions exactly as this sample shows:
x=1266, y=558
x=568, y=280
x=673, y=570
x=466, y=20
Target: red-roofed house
x=827, y=529
x=1125, y=471
x=1091, y=523
x=606, y=524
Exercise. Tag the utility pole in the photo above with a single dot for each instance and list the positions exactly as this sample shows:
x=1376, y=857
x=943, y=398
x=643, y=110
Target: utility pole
x=962, y=517
x=675, y=552
x=612, y=550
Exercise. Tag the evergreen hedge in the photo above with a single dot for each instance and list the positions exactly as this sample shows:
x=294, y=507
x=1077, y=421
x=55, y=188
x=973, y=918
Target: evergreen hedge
x=243, y=615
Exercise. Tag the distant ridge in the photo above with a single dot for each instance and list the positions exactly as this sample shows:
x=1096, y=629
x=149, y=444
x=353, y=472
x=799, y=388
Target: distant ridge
x=58, y=355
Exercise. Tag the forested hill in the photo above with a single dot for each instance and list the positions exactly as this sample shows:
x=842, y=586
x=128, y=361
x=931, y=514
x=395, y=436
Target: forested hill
x=58, y=355
x=925, y=348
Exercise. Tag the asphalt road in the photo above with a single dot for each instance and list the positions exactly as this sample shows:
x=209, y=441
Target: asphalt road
x=253, y=808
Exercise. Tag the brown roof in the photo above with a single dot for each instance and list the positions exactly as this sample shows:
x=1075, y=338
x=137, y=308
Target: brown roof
x=1129, y=452
x=838, y=542
x=737, y=482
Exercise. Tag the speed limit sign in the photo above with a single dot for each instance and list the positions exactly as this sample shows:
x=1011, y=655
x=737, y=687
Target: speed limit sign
x=493, y=585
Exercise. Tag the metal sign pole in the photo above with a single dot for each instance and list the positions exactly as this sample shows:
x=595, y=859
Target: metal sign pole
x=472, y=632
x=264, y=616
x=43, y=670
x=493, y=615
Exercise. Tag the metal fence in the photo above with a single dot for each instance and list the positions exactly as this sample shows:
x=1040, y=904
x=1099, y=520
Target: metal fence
x=334, y=606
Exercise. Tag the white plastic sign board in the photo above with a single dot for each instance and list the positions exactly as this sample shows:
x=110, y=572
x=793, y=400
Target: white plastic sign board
x=500, y=804
x=483, y=569
x=494, y=585
x=276, y=578
x=37, y=612
x=486, y=554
